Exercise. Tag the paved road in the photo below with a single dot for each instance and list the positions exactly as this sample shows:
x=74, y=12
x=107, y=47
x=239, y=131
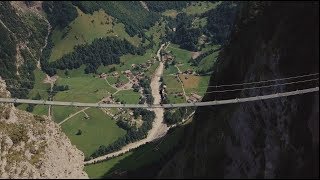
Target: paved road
x=208, y=103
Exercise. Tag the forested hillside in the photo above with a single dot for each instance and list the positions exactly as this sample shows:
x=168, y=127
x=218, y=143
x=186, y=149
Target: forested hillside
x=219, y=24
x=22, y=36
x=59, y=13
x=130, y=13
x=161, y=6
x=104, y=51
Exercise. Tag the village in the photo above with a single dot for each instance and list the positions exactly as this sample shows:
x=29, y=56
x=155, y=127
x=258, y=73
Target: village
x=130, y=78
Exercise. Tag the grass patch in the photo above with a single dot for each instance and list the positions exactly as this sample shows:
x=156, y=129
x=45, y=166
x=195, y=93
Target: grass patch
x=128, y=96
x=41, y=88
x=113, y=80
x=171, y=13
x=207, y=63
x=195, y=84
x=59, y=113
x=173, y=82
x=142, y=156
x=82, y=89
x=157, y=31
x=182, y=56
x=79, y=72
x=170, y=70
x=98, y=130
x=197, y=8
x=199, y=22
x=84, y=29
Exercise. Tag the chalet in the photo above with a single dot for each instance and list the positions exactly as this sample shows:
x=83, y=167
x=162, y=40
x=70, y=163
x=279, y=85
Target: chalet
x=196, y=96
x=127, y=72
x=143, y=65
x=149, y=62
x=115, y=74
x=189, y=71
x=103, y=75
x=119, y=84
x=169, y=57
x=180, y=94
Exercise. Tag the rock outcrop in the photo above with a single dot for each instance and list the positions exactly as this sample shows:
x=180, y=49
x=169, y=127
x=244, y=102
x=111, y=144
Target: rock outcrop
x=263, y=139
x=33, y=146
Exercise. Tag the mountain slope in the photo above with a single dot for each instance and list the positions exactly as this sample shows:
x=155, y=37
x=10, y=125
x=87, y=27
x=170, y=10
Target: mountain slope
x=268, y=139
x=32, y=146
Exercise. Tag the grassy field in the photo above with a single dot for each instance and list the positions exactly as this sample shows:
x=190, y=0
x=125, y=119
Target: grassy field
x=171, y=13
x=72, y=73
x=207, y=63
x=181, y=55
x=144, y=155
x=59, y=113
x=122, y=78
x=195, y=84
x=157, y=31
x=173, y=82
x=127, y=60
x=128, y=96
x=197, y=8
x=81, y=89
x=98, y=130
x=84, y=29
x=197, y=22
x=41, y=88
x=170, y=70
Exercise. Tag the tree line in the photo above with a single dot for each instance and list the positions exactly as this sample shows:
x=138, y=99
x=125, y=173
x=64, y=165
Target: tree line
x=104, y=51
x=59, y=13
x=130, y=13
x=161, y=6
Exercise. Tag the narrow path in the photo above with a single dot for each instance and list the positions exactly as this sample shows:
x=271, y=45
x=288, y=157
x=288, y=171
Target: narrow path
x=159, y=128
x=182, y=86
x=82, y=110
x=144, y=5
x=45, y=41
x=49, y=108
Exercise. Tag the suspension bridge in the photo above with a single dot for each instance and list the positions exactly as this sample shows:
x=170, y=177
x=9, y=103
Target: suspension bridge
x=207, y=103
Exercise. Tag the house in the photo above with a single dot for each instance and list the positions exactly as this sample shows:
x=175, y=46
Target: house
x=149, y=62
x=189, y=71
x=196, y=96
x=169, y=57
x=115, y=74
x=143, y=65
x=133, y=65
x=103, y=75
x=119, y=84
x=180, y=94
x=127, y=72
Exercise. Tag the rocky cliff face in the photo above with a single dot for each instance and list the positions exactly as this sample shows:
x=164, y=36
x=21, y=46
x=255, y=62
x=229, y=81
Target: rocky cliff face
x=34, y=147
x=266, y=139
